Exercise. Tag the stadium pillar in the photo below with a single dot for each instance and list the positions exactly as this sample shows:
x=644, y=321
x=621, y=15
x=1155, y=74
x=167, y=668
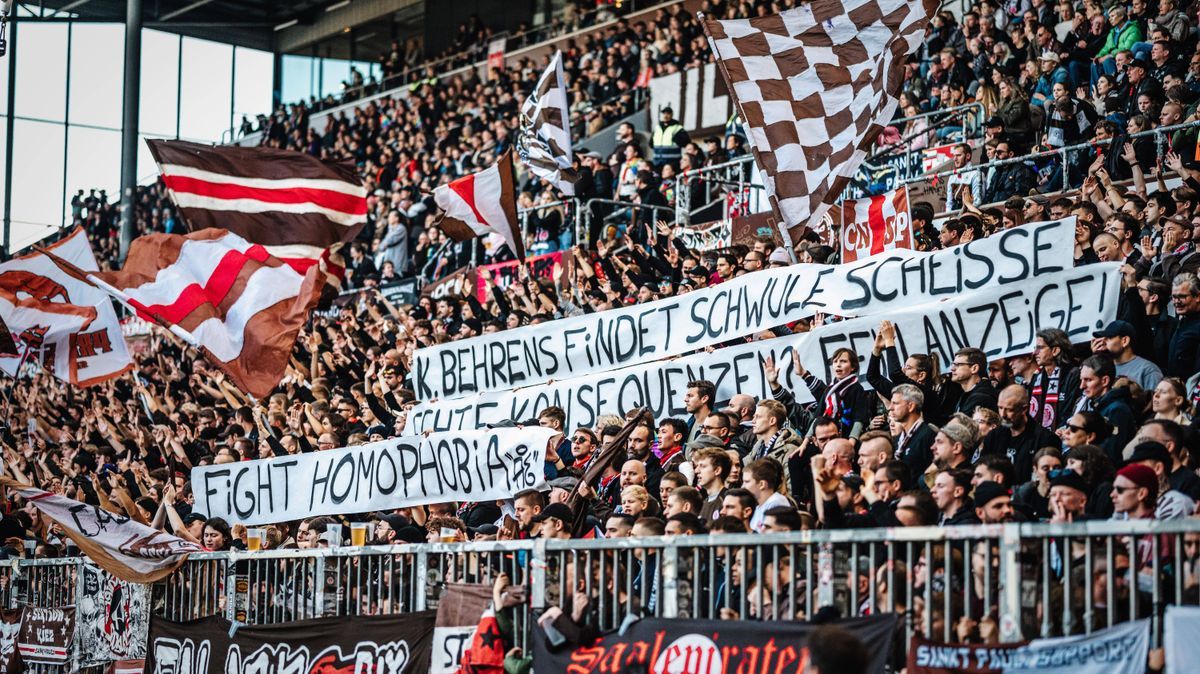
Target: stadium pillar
x=276, y=81
x=129, y=121
x=9, y=123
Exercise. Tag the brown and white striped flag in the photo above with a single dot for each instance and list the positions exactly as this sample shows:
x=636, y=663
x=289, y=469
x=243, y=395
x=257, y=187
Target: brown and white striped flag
x=544, y=142
x=297, y=206
x=231, y=298
x=482, y=204
x=815, y=85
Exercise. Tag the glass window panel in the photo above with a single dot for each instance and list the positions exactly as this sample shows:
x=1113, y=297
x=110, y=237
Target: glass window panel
x=97, y=74
x=252, y=80
x=38, y=187
x=207, y=70
x=297, y=78
x=93, y=162
x=160, y=83
x=333, y=73
x=42, y=71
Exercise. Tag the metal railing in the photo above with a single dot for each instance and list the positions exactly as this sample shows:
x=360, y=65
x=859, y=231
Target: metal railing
x=1033, y=579
x=948, y=114
x=570, y=217
x=1064, y=153
x=733, y=174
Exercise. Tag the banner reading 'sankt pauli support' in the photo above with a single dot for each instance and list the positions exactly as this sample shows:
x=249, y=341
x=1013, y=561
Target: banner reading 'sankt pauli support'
x=1001, y=321
x=1117, y=650
x=571, y=347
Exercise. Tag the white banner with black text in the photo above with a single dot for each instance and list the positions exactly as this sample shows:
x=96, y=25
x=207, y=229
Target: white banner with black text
x=892, y=281
x=394, y=473
x=1002, y=321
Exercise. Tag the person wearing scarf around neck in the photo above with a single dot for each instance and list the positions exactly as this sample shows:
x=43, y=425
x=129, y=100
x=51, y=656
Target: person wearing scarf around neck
x=844, y=399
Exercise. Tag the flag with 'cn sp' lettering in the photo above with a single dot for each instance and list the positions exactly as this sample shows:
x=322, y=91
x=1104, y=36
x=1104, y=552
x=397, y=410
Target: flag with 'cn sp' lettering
x=874, y=224
x=63, y=324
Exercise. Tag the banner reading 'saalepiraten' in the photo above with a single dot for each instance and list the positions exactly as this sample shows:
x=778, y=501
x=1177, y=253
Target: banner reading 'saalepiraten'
x=1001, y=321
x=673, y=645
x=396, y=473
x=1117, y=650
x=396, y=644
x=672, y=326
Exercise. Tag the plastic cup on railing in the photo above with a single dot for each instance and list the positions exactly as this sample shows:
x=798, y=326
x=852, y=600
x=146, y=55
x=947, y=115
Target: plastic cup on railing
x=449, y=534
x=333, y=534
x=30, y=548
x=254, y=539
x=358, y=534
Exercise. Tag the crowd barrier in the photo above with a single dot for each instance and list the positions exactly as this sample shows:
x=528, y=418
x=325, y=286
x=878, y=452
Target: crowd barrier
x=1041, y=580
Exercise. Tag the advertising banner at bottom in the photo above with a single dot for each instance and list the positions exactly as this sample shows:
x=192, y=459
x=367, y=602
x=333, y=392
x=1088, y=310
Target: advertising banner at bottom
x=1117, y=650
x=664, y=645
x=378, y=644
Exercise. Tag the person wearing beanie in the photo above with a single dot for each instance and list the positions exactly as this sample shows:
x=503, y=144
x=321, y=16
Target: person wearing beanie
x=993, y=504
x=1170, y=504
x=1134, y=493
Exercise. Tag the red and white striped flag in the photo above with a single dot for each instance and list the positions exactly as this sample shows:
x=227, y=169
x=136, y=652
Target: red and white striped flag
x=874, y=224
x=294, y=204
x=482, y=203
x=243, y=306
x=65, y=325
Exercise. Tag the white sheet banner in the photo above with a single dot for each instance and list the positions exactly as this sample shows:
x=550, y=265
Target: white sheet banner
x=395, y=473
x=1181, y=638
x=571, y=347
x=1002, y=321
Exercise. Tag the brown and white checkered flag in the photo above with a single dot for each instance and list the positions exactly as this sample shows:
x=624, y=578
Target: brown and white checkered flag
x=544, y=142
x=815, y=85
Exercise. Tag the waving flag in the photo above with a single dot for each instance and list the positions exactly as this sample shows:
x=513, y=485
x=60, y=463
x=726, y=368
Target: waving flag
x=297, y=206
x=544, y=143
x=55, y=320
x=815, y=85
x=127, y=549
x=243, y=306
x=480, y=204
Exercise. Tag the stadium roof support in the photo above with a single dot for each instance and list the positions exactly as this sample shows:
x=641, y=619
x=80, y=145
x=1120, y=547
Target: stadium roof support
x=129, y=121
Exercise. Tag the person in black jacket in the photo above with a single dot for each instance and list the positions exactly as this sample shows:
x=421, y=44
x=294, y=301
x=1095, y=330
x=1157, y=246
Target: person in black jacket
x=843, y=399
x=969, y=372
x=914, y=442
x=1097, y=375
x=1054, y=390
x=1183, y=350
x=1017, y=438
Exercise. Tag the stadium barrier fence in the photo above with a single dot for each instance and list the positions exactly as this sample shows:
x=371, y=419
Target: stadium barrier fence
x=1040, y=579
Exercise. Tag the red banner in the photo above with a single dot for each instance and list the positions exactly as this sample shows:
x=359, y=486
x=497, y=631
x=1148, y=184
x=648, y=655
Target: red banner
x=505, y=273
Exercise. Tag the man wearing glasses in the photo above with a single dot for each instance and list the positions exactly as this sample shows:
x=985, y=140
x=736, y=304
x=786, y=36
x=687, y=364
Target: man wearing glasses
x=969, y=372
x=1183, y=352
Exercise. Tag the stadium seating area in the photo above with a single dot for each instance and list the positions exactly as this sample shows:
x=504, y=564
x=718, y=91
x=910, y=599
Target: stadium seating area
x=1094, y=430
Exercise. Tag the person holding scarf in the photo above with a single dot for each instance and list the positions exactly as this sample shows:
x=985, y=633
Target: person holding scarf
x=844, y=399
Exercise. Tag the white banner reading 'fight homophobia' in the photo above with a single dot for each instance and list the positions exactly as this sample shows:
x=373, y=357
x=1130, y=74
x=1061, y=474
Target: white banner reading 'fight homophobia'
x=1001, y=321
x=395, y=473
x=672, y=326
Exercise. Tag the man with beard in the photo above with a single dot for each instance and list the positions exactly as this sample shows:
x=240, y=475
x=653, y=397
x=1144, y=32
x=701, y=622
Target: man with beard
x=1016, y=437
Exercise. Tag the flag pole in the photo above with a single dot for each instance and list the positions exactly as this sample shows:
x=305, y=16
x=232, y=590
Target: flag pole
x=120, y=295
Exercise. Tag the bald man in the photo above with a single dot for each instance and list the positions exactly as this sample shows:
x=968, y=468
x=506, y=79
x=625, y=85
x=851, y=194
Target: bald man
x=1017, y=437
x=742, y=406
x=633, y=472
x=839, y=456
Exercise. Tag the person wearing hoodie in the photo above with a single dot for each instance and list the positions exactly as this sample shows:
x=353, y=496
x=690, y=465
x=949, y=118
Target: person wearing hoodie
x=1097, y=375
x=969, y=373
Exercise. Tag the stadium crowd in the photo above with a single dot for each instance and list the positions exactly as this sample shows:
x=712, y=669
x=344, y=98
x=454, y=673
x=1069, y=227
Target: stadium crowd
x=1068, y=432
